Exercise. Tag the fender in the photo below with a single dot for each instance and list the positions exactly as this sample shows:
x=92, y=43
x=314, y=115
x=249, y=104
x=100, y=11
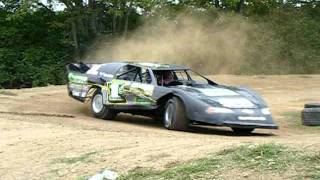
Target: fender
x=188, y=102
x=251, y=94
x=104, y=90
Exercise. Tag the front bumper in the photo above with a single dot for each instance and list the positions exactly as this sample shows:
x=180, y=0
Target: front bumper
x=239, y=119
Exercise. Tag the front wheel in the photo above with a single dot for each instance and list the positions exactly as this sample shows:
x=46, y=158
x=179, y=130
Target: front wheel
x=175, y=115
x=98, y=109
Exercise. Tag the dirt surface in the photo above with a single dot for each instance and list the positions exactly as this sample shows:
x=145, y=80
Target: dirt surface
x=44, y=134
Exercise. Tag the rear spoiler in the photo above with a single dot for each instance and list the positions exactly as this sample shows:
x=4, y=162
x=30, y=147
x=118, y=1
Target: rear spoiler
x=78, y=80
x=79, y=67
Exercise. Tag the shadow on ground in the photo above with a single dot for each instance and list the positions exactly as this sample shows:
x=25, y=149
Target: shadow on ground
x=208, y=130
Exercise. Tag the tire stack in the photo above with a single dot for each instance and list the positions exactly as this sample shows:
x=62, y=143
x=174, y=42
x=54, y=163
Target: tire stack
x=311, y=114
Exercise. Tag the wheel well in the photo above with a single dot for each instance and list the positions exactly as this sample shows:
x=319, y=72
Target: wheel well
x=163, y=100
x=92, y=89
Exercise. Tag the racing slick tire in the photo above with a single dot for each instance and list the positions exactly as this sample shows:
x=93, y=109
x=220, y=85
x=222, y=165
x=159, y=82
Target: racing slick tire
x=175, y=115
x=98, y=109
x=311, y=117
x=242, y=131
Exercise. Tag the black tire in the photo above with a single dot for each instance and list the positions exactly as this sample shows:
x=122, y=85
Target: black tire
x=174, y=117
x=243, y=131
x=102, y=111
x=312, y=105
x=311, y=117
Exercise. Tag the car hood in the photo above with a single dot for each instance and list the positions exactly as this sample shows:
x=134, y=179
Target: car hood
x=225, y=96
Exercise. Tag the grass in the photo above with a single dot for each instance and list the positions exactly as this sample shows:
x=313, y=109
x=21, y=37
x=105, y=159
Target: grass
x=82, y=178
x=305, y=76
x=191, y=170
x=294, y=119
x=256, y=160
x=72, y=160
x=7, y=93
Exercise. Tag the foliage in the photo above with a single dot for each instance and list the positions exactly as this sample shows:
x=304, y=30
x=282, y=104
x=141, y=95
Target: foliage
x=36, y=41
x=32, y=48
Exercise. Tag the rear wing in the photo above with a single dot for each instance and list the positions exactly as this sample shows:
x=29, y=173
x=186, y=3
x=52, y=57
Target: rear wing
x=78, y=80
x=79, y=67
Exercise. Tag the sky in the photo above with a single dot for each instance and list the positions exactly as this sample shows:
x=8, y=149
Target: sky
x=56, y=5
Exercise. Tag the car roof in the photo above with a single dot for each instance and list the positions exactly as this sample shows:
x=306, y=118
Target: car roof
x=158, y=66
x=113, y=67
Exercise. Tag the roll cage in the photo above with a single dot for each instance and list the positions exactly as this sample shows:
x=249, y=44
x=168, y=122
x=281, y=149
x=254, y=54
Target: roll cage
x=148, y=75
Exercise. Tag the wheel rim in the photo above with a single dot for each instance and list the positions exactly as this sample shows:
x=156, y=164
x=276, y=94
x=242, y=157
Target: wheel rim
x=168, y=115
x=97, y=104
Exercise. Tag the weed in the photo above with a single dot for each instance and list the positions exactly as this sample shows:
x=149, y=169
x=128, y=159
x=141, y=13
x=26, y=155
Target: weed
x=72, y=160
x=260, y=160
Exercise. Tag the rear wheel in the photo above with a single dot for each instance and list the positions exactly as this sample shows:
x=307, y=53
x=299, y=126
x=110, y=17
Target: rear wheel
x=98, y=109
x=175, y=116
x=242, y=130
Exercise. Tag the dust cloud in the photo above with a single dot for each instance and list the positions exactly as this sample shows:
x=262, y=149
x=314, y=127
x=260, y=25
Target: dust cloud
x=212, y=46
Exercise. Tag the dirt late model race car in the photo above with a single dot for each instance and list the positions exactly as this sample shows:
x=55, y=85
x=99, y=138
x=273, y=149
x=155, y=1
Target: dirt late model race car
x=174, y=94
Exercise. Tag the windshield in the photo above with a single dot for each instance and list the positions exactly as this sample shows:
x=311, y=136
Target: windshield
x=178, y=77
x=197, y=77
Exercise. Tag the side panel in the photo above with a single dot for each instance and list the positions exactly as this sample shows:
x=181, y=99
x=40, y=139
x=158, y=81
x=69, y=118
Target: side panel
x=121, y=92
x=78, y=86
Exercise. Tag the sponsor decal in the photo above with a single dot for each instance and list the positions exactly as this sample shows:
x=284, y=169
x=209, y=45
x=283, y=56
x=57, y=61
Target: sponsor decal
x=146, y=88
x=130, y=92
x=76, y=78
x=94, y=69
x=142, y=92
x=105, y=75
x=116, y=90
x=78, y=94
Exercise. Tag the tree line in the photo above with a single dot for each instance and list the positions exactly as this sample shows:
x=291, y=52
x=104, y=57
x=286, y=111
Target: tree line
x=37, y=38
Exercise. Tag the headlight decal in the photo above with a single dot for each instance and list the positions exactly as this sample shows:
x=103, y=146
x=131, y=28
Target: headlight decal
x=266, y=111
x=236, y=102
x=212, y=110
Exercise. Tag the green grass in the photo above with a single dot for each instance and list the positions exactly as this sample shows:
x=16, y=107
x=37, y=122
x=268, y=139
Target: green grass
x=265, y=157
x=71, y=160
x=191, y=170
x=256, y=160
x=82, y=178
x=294, y=119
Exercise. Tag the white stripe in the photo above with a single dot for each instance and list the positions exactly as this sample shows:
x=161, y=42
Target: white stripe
x=252, y=118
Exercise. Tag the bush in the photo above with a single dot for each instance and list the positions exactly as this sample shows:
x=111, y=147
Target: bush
x=32, y=48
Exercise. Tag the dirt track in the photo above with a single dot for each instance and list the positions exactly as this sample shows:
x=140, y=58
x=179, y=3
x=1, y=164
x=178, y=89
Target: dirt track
x=44, y=134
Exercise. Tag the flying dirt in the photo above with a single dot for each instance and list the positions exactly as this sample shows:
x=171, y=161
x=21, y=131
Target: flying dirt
x=34, y=144
x=226, y=45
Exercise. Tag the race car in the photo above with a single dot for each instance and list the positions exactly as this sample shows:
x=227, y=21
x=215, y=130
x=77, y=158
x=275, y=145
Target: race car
x=175, y=94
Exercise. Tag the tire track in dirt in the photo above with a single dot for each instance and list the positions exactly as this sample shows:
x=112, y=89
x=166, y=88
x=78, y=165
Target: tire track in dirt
x=44, y=134
x=37, y=114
